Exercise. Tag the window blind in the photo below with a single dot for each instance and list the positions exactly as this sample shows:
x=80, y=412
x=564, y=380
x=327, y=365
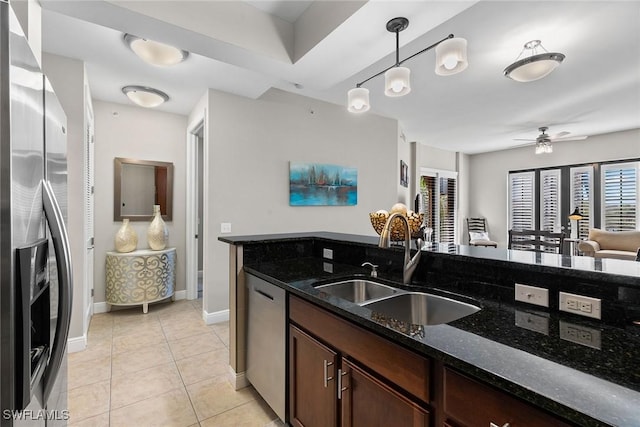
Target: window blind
x=438, y=190
x=550, y=200
x=619, y=196
x=522, y=201
x=581, y=186
x=447, y=210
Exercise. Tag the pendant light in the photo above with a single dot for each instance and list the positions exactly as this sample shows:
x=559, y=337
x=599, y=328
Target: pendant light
x=535, y=66
x=451, y=58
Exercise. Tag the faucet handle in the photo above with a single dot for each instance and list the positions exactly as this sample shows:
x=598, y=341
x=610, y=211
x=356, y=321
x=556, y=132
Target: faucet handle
x=374, y=271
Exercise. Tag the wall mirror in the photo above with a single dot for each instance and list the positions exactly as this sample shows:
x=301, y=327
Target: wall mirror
x=140, y=184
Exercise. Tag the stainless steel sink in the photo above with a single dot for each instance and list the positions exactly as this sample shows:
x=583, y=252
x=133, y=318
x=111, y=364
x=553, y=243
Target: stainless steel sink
x=358, y=290
x=421, y=309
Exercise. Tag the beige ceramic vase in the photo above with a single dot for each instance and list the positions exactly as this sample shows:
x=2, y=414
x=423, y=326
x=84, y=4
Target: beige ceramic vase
x=126, y=238
x=157, y=233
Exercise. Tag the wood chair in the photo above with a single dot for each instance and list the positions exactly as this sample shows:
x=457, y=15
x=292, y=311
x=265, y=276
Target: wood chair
x=479, y=227
x=536, y=241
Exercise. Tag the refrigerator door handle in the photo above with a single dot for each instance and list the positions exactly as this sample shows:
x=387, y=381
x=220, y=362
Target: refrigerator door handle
x=63, y=257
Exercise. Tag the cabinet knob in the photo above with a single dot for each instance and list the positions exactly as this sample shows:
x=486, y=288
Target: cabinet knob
x=327, y=378
x=496, y=425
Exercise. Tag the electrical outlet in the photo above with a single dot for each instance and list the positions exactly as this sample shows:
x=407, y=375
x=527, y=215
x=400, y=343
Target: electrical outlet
x=581, y=335
x=327, y=267
x=534, y=322
x=579, y=304
x=532, y=295
x=225, y=227
x=327, y=253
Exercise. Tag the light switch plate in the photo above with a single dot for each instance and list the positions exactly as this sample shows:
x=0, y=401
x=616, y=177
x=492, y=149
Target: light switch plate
x=532, y=295
x=225, y=227
x=581, y=305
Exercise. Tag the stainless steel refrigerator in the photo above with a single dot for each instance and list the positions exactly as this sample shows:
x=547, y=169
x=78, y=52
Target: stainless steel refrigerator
x=35, y=265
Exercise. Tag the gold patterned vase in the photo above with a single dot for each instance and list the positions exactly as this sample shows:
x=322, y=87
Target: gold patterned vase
x=126, y=238
x=157, y=233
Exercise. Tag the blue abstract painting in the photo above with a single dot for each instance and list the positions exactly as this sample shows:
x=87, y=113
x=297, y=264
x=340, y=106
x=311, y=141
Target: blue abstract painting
x=317, y=184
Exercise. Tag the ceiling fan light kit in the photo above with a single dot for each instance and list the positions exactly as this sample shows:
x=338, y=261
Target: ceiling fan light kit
x=143, y=96
x=451, y=58
x=543, y=141
x=535, y=66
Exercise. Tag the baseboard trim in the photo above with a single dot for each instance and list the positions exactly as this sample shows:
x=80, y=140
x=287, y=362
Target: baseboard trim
x=100, y=307
x=77, y=344
x=216, y=317
x=103, y=307
x=238, y=381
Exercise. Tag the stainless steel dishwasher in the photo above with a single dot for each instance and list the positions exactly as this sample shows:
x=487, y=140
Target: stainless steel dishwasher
x=266, y=334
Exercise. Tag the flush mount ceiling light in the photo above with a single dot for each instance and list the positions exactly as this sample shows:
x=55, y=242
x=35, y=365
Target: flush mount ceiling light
x=155, y=53
x=147, y=97
x=451, y=58
x=535, y=66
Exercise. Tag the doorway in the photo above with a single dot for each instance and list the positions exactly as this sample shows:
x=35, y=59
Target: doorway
x=195, y=214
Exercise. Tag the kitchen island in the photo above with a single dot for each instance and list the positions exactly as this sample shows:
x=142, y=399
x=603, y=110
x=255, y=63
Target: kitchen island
x=580, y=370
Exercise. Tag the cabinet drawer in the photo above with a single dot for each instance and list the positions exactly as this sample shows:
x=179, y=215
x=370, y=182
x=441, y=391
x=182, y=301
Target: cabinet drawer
x=470, y=403
x=400, y=366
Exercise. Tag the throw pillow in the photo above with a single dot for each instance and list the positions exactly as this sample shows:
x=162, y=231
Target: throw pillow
x=479, y=235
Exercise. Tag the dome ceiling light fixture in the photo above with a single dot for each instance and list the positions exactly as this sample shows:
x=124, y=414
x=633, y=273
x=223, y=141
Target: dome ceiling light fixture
x=451, y=58
x=155, y=53
x=143, y=96
x=535, y=66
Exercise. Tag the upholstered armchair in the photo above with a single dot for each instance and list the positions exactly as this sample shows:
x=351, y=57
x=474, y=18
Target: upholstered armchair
x=611, y=244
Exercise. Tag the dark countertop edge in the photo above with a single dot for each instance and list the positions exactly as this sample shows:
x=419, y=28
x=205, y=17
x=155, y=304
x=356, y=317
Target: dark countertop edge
x=611, y=278
x=512, y=388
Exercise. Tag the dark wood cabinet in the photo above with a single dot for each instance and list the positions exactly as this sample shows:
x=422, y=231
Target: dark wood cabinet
x=312, y=391
x=333, y=385
x=367, y=401
x=468, y=402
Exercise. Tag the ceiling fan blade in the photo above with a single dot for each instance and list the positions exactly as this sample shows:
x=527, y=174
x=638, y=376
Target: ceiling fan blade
x=559, y=135
x=570, y=138
x=524, y=139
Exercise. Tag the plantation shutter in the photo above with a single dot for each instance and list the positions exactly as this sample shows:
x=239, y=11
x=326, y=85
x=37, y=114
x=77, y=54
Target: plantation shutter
x=550, y=200
x=522, y=201
x=582, y=197
x=619, y=196
x=447, y=210
x=438, y=190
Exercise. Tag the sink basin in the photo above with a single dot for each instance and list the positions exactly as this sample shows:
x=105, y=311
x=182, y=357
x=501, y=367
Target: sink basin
x=358, y=290
x=422, y=309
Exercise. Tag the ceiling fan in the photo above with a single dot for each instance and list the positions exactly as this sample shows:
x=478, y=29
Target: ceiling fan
x=544, y=140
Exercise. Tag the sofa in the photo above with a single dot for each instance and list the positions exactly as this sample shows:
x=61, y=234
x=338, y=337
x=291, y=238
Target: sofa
x=611, y=244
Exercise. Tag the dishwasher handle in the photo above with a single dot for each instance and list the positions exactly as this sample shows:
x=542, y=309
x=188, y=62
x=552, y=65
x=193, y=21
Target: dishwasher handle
x=263, y=293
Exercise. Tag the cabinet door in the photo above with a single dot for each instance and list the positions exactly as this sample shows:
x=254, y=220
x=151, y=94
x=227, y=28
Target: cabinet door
x=470, y=403
x=367, y=402
x=312, y=391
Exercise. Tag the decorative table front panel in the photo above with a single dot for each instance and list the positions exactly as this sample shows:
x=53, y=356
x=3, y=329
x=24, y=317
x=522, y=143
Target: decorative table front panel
x=140, y=277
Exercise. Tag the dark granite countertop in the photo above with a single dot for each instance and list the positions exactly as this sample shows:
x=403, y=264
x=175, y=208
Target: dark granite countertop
x=612, y=270
x=588, y=386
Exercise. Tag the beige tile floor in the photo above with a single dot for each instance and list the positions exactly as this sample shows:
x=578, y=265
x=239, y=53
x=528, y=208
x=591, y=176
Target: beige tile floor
x=164, y=368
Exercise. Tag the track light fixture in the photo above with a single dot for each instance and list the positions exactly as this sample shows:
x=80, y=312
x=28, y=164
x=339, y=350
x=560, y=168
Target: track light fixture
x=451, y=58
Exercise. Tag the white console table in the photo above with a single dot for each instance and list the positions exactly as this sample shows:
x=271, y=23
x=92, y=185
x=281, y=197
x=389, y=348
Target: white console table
x=140, y=277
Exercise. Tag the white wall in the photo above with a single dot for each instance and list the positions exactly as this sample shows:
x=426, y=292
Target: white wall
x=138, y=133
x=249, y=146
x=404, y=193
x=489, y=171
x=68, y=78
